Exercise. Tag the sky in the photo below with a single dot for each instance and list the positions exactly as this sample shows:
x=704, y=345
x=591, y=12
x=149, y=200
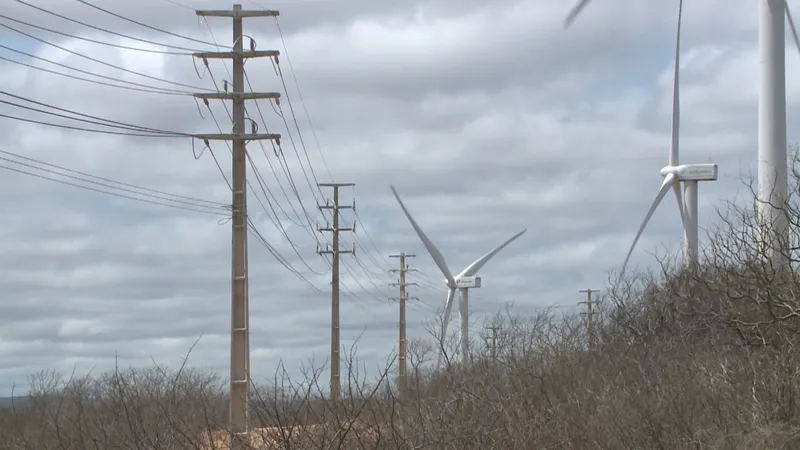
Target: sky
x=488, y=118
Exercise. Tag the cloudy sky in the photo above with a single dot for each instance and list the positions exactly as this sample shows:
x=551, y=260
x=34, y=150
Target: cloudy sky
x=487, y=116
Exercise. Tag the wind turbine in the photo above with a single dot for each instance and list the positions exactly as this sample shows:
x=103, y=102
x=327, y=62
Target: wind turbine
x=773, y=178
x=463, y=281
x=674, y=173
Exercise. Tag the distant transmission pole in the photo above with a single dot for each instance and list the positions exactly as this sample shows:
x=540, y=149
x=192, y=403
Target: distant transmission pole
x=589, y=315
x=402, y=368
x=495, y=329
x=334, y=251
x=240, y=334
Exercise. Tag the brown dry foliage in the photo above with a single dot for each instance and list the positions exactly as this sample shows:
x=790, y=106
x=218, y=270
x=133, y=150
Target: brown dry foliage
x=703, y=359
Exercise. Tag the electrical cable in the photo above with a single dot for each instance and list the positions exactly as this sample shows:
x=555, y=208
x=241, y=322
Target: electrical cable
x=68, y=127
x=281, y=260
x=156, y=89
x=300, y=95
x=286, y=173
x=273, y=218
x=94, y=41
x=31, y=66
x=101, y=191
x=114, y=123
x=119, y=16
x=180, y=4
x=98, y=61
x=104, y=30
x=285, y=53
x=112, y=181
x=100, y=183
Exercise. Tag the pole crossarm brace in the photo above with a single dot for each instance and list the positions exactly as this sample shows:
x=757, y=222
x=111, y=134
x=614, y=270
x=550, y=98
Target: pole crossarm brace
x=335, y=207
x=244, y=54
x=239, y=96
x=336, y=229
x=237, y=13
x=340, y=252
x=232, y=136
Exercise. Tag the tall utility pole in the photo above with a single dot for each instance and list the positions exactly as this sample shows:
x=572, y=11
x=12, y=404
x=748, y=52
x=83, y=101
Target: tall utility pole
x=240, y=320
x=335, y=251
x=403, y=377
x=589, y=314
x=772, y=164
x=495, y=329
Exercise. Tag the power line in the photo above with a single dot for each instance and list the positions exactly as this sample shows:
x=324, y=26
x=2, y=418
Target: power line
x=94, y=41
x=128, y=19
x=68, y=127
x=104, y=30
x=153, y=90
x=182, y=5
x=300, y=96
x=115, y=194
x=98, y=61
x=97, y=120
x=110, y=181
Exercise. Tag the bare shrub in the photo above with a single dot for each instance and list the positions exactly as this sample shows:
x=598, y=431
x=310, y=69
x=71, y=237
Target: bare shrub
x=699, y=358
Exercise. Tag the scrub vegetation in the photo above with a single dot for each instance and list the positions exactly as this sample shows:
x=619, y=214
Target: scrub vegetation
x=679, y=359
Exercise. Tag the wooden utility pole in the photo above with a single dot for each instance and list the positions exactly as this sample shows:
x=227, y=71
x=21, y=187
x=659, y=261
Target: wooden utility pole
x=402, y=367
x=335, y=251
x=589, y=314
x=495, y=329
x=240, y=321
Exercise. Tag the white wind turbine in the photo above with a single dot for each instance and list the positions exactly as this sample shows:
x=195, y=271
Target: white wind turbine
x=772, y=149
x=463, y=281
x=674, y=173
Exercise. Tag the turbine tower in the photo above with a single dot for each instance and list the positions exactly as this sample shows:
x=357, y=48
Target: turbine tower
x=674, y=173
x=773, y=177
x=464, y=281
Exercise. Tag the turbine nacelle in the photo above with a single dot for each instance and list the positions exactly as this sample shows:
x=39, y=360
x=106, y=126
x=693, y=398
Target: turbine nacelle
x=464, y=282
x=692, y=172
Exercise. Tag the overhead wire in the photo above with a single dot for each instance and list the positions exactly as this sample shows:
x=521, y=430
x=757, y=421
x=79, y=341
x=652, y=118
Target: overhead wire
x=159, y=90
x=141, y=24
x=272, y=217
x=110, y=181
x=96, y=120
x=221, y=211
x=286, y=173
x=94, y=41
x=281, y=159
x=369, y=255
x=68, y=127
x=370, y=275
x=104, y=30
x=144, y=88
x=99, y=61
x=114, y=124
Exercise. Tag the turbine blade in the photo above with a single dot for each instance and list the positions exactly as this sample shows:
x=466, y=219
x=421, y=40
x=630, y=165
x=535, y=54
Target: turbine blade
x=473, y=268
x=665, y=186
x=676, y=101
x=448, y=308
x=437, y=256
x=676, y=188
x=573, y=13
x=792, y=27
